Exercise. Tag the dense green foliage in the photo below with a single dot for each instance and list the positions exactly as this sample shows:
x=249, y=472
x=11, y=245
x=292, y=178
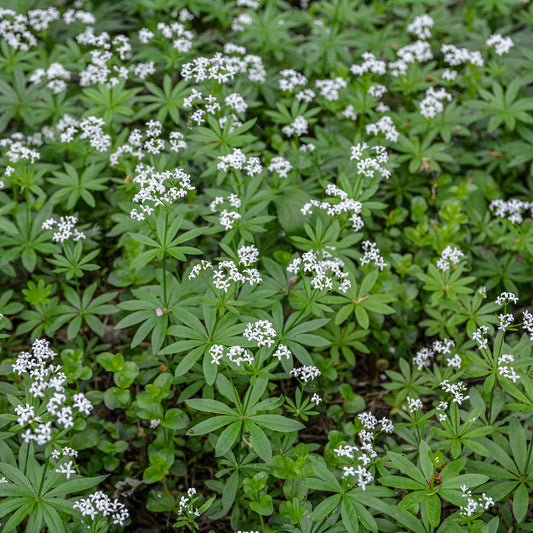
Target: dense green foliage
x=282, y=253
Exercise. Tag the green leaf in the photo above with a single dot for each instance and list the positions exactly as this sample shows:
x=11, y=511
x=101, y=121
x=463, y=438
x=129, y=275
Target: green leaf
x=227, y=438
x=520, y=502
x=277, y=423
x=433, y=506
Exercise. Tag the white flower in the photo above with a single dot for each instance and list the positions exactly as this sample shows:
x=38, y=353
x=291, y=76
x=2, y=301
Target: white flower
x=414, y=405
x=262, y=332
x=449, y=256
x=305, y=373
x=66, y=469
x=282, y=351
x=316, y=399
x=502, y=45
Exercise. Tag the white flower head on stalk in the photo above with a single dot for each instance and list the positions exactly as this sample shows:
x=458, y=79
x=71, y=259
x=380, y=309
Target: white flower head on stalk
x=369, y=64
x=372, y=255
x=386, y=126
x=449, y=256
x=473, y=506
x=65, y=229
x=345, y=205
x=456, y=390
x=329, y=89
x=305, y=373
x=47, y=382
x=282, y=351
x=227, y=217
x=100, y=503
x=158, y=188
x=512, y=210
x=480, y=337
x=290, y=79
x=505, y=370
x=280, y=165
x=457, y=56
x=414, y=404
x=262, y=332
x=421, y=26
x=371, y=165
x=238, y=161
x=433, y=104
x=297, y=127
x=501, y=45
x=527, y=323
x=325, y=271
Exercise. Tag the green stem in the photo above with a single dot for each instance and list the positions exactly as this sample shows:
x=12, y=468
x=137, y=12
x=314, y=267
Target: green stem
x=165, y=302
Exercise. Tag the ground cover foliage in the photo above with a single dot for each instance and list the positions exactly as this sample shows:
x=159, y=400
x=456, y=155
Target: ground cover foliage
x=266, y=266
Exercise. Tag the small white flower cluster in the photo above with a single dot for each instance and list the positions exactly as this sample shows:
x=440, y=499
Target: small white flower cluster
x=370, y=166
x=424, y=355
x=376, y=91
x=456, y=390
x=102, y=67
x=17, y=152
x=527, y=323
x=472, y=506
x=227, y=272
x=506, y=320
x=99, y=502
x=512, y=210
x=370, y=64
x=223, y=68
x=238, y=161
x=177, y=33
x=480, y=337
x=421, y=26
x=66, y=228
x=227, y=217
x=418, y=51
x=55, y=74
x=148, y=141
x=240, y=22
x=349, y=112
x=290, y=79
x=448, y=74
x=65, y=452
x=449, y=256
x=386, y=126
x=280, y=165
x=234, y=354
x=305, y=373
x=325, y=270
x=365, y=453
x=457, y=56
x=91, y=129
x=372, y=255
x=185, y=506
x=66, y=468
x=329, y=89
x=262, y=332
x=441, y=408
x=282, y=351
x=414, y=404
x=505, y=370
x=15, y=28
x=297, y=127
x=306, y=95
x=236, y=102
x=501, y=45
x=346, y=205
x=154, y=191
x=46, y=377
x=432, y=104
x=316, y=399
